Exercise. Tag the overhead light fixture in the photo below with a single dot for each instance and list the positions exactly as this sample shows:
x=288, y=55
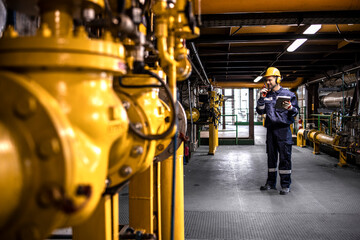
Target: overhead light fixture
x=297, y=43
x=312, y=29
x=257, y=78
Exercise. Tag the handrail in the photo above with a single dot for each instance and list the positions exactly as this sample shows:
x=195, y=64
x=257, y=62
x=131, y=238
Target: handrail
x=232, y=115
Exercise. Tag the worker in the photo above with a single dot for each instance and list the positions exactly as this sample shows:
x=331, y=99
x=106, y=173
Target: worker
x=277, y=121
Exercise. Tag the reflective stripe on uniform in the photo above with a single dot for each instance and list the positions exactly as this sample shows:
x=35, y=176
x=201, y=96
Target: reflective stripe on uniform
x=261, y=107
x=272, y=169
x=268, y=99
x=284, y=171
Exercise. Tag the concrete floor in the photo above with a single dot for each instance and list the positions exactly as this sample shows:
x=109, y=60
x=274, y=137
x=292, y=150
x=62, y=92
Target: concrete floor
x=223, y=200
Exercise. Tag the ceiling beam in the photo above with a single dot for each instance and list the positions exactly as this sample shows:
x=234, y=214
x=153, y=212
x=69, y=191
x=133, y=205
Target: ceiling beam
x=284, y=18
x=247, y=38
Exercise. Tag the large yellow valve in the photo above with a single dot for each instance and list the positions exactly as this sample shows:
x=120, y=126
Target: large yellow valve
x=68, y=133
x=150, y=115
x=59, y=121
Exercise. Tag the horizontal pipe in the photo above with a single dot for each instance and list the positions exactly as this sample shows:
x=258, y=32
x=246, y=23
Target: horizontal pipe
x=319, y=137
x=232, y=84
x=333, y=75
x=215, y=6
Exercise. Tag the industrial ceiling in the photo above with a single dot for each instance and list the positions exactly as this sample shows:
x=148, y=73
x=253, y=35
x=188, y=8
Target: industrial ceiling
x=241, y=39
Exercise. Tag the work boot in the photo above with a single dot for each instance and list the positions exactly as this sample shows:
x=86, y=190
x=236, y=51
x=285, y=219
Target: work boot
x=267, y=187
x=284, y=191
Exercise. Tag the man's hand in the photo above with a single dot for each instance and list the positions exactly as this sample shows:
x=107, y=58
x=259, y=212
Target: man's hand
x=263, y=92
x=287, y=105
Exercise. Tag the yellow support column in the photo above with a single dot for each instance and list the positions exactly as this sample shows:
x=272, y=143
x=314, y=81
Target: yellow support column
x=141, y=201
x=213, y=139
x=166, y=191
x=216, y=136
x=103, y=224
x=342, y=159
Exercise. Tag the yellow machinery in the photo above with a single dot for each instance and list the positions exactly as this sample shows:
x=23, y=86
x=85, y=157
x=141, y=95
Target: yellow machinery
x=301, y=141
x=70, y=136
x=194, y=114
x=216, y=102
x=318, y=137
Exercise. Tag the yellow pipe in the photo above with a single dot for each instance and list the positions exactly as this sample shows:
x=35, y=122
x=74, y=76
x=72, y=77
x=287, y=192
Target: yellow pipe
x=166, y=191
x=141, y=201
x=213, y=126
x=213, y=139
x=319, y=137
x=215, y=6
x=158, y=202
x=59, y=22
x=285, y=84
x=162, y=42
x=301, y=142
x=103, y=223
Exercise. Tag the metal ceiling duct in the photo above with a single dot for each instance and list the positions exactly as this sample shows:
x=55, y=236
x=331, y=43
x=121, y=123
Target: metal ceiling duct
x=284, y=84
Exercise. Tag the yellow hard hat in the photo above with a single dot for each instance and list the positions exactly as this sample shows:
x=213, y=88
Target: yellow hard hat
x=271, y=71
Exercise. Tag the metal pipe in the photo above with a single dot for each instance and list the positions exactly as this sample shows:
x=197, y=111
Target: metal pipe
x=191, y=115
x=166, y=192
x=319, y=137
x=301, y=142
x=292, y=84
x=197, y=71
x=215, y=6
x=192, y=45
x=338, y=99
x=331, y=76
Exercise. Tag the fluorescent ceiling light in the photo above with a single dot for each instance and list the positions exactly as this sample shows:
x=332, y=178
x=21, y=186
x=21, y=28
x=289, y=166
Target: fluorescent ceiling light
x=312, y=29
x=258, y=79
x=297, y=43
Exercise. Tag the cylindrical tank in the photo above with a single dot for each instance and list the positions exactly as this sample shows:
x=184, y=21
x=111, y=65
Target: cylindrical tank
x=338, y=99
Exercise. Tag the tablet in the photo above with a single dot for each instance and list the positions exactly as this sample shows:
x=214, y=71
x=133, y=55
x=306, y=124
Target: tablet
x=280, y=100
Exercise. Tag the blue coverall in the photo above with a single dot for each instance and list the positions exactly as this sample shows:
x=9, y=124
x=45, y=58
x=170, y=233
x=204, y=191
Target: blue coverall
x=278, y=137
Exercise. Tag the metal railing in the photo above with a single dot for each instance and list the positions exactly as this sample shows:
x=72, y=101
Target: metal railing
x=236, y=125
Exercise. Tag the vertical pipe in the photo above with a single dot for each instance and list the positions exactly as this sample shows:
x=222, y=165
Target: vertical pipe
x=223, y=110
x=166, y=191
x=103, y=220
x=141, y=200
x=172, y=66
x=212, y=143
x=217, y=135
x=158, y=202
x=192, y=140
